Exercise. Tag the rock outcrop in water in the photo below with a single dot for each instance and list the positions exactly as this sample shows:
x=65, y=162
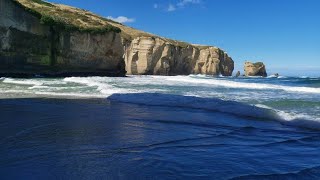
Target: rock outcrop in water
x=255, y=69
x=238, y=74
x=34, y=40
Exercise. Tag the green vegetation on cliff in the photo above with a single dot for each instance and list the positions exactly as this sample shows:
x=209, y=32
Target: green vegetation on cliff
x=42, y=2
x=258, y=64
x=61, y=24
x=67, y=18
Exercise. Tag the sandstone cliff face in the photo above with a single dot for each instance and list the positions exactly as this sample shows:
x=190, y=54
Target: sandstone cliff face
x=86, y=51
x=28, y=46
x=255, y=69
x=153, y=55
x=23, y=40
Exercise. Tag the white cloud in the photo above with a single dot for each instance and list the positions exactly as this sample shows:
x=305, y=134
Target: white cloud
x=183, y=3
x=122, y=19
x=171, y=8
x=155, y=6
x=180, y=4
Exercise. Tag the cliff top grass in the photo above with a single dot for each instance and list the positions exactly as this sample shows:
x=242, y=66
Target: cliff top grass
x=71, y=18
x=67, y=18
x=256, y=64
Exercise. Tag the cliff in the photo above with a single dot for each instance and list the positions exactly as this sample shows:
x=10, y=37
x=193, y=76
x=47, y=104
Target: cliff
x=31, y=43
x=153, y=55
x=37, y=37
x=255, y=69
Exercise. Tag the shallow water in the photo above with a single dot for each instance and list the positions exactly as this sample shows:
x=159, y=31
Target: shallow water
x=149, y=127
x=92, y=139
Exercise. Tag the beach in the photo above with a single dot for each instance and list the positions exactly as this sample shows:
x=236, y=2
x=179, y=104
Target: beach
x=149, y=133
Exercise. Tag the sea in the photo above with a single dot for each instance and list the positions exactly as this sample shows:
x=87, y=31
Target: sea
x=160, y=127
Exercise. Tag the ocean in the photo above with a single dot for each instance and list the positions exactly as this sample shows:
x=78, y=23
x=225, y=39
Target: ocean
x=157, y=127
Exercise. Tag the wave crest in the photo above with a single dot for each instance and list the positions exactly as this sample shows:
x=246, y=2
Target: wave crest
x=243, y=85
x=213, y=104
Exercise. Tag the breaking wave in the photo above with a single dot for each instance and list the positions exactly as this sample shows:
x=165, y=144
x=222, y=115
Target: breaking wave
x=218, y=105
x=102, y=85
x=243, y=85
x=22, y=82
x=226, y=95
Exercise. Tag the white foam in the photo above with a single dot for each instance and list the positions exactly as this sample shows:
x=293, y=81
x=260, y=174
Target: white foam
x=53, y=88
x=22, y=81
x=233, y=84
x=54, y=82
x=289, y=116
x=199, y=76
x=101, y=87
x=273, y=76
x=39, y=87
x=85, y=81
x=295, y=119
x=81, y=95
x=282, y=77
x=292, y=116
x=89, y=82
x=29, y=93
x=101, y=84
x=15, y=91
x=254, y=77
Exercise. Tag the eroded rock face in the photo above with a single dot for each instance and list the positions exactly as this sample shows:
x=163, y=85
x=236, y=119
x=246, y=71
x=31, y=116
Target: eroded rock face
x=149, y=55
x=27, y=46
x=255, y=69
x=84, y=50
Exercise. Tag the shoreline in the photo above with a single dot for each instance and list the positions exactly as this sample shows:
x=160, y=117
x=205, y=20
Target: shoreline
x=213, y=94
x=61, y=74
x=97, y=138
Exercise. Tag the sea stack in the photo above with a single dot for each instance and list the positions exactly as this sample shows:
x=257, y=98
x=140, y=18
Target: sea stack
x=238, y=74
x=255, y=69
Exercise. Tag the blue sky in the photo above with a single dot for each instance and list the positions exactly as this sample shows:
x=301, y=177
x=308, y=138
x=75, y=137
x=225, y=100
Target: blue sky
x=285, y=34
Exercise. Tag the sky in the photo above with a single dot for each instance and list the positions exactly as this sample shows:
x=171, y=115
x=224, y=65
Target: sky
x=284, y=34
